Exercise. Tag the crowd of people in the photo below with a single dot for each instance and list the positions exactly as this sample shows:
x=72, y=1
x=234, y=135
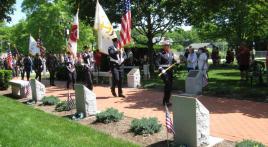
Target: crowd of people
x=91, y=61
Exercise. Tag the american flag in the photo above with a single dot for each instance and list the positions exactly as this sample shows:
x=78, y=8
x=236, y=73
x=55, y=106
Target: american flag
x=125, y=32
x=9, y=59
x=40, y=46
x=169, y=123
x=70, y=102
x=28, y=90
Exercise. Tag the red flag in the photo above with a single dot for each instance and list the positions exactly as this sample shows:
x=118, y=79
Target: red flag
x=74, y=36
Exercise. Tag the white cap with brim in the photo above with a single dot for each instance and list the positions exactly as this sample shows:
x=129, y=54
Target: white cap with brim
x=165, y=42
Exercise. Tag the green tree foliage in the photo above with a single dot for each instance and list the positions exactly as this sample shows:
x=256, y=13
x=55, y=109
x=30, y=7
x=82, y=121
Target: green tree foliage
x=48, y=20
x=234, y=20
x=182, y=38
x=6, y=9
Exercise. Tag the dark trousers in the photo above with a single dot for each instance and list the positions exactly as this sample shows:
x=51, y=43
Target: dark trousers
x=167, y=79
x=27, y=74
x=71, y=78
x=117, y=77
x=52, y=77
x=88, y=78
x=38, y=75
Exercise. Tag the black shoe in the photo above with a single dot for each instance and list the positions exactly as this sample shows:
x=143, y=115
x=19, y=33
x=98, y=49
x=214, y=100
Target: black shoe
x=114, y=94
x=121, y=95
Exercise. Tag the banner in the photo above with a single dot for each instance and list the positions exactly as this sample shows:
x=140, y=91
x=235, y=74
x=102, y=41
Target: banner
x=33, y=48
x=105, y=29
x=74, y=36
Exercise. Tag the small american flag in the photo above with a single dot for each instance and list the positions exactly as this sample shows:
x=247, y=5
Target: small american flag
x=70, y=102
x=28, y=90
x=205, y=80
x=9, y=59
x=169, y=124
x=125, y=32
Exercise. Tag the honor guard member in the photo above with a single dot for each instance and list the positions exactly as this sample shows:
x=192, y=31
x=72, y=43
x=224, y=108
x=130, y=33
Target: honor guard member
x=88, y=67
x=71, y=73
x=117, y=57
x=38, y=66
x=27, y=64
x=52, y=64
x=165, y=58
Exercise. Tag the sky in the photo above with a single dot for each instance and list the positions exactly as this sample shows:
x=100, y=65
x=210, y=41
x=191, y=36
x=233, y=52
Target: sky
x=18, y=15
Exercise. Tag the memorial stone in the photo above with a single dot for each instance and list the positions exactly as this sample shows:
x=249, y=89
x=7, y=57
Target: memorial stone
x=85, y=100
x=38, y=90
x=133, y=78
x=193, y=83
x=191, y=121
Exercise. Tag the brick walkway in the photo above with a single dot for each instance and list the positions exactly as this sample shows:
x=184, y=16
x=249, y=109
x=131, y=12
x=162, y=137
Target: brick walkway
x=229, y=118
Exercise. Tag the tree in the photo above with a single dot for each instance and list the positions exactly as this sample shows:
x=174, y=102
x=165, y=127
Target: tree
x=234, y=20
x=6, y=9
x=49, y=21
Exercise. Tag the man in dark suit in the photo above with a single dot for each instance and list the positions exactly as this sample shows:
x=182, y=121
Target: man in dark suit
x=117, y=58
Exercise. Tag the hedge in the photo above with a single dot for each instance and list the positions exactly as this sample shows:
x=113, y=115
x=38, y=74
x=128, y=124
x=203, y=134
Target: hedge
x=5, y=77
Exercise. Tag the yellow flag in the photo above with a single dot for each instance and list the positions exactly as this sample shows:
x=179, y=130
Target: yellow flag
x=105, y=29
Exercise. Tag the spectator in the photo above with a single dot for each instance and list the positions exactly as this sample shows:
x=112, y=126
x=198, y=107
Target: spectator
x=186, y=53
x=191, y=60
x=203, y=60
x=229, y=56
x=97, y=58
x=243, y=57
x=215, y=55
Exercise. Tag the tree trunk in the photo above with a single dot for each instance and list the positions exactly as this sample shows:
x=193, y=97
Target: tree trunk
x=150, y=45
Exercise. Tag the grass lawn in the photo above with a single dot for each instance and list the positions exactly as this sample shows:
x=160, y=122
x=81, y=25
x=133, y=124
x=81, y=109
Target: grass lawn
x=24, y=126
x=224, y=81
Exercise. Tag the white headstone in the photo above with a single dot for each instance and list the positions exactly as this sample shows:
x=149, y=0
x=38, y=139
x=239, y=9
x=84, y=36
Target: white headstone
x=133, y=78
x=85, y=100
x=38, y=90
x=194, y=82
x=191, y=121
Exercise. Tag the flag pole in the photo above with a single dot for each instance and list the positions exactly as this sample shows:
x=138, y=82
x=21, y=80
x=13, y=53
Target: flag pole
x=166, y=126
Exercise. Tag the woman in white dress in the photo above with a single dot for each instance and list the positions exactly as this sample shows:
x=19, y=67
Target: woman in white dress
x=203, y=65
x=44, y=66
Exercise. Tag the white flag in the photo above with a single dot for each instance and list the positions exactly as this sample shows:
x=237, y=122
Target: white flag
x=104, y=28
x=74, y=36
x=33, y=48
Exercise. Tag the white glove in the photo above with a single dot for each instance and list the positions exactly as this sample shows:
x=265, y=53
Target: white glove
x=163, y=71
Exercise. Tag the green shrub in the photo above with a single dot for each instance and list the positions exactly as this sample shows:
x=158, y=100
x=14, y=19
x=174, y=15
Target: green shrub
x=63, y=106
x=5, y=77
x=145, y=126
x=50, y=100
x=109, y=115
x=249, y=143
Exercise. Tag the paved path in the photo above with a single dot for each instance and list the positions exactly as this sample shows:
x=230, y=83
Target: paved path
x=229, y=118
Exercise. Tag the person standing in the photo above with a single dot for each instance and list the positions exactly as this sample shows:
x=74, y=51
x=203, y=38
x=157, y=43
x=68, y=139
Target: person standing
x=27, y=63
x=71, y=72
x=243, y=57
x=88, y=67
x=52, y=64
x=191, y=60
x=38, y=67
x=165, y=58
x=117, y=58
